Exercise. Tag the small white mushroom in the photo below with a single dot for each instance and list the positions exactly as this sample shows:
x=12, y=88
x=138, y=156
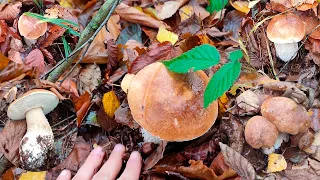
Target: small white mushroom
x=37, y=146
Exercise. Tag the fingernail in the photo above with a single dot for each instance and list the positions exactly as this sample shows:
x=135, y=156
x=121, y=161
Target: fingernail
x=119, y=148
x=64, y=173
x=98, y=150
x=135, y=155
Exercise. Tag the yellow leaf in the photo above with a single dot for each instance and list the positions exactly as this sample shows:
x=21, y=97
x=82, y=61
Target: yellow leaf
x=4, y=61
x=33, y=175
x=186, y=12
x=165, y=35
x=110, y=103
x=66, y=3
x=276, y=163
x=222, y=101
x=234, y=88
x=241, y=6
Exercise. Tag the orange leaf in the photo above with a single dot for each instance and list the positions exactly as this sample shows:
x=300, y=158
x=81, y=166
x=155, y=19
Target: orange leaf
x=4, y=61
x=78, y=102
x=82, y=112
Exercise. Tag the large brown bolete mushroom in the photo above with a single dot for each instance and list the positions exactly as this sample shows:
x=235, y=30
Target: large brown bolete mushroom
x=170, y=105
x=37, y=145
x=260, y=133
x=286, y=30
x=286, y=115
x=31, y=28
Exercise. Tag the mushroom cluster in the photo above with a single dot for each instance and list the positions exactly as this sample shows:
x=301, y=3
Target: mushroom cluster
x=279, y=114
x=285, y=31
x=37, y=145
x=169, y=105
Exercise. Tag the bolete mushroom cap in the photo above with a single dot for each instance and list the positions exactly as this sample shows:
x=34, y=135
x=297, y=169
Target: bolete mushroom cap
x=286, y=28
x=260, y=133
x=286, y=115
x=31, y=28
x=47, y=100
x=170, y=105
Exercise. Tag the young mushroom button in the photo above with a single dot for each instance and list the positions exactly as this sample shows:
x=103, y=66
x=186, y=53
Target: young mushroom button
x=286, y=30
x=170, y=105
x=37, y=145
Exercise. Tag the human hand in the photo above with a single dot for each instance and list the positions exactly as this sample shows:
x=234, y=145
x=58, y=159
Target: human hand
x=110, y=169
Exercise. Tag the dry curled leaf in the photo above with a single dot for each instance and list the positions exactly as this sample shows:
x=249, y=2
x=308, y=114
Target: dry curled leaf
x=89, y=78
x=10, y=11
x=133, y=15
x=237, y=162
x=35, y=59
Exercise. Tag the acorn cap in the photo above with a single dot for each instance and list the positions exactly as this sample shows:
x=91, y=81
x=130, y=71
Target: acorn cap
x=31, y=28
x=286, y=115
x=286, y=28
x=170, y=105
x=45, y=99
x=260, y=133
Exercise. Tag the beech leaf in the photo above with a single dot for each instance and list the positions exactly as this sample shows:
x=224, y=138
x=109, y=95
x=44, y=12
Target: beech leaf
x=10, y=11
x=237, y=162
x=216, y=5
x=165, y=35
x=198, y=58
x=35, y=59
x=110, y=103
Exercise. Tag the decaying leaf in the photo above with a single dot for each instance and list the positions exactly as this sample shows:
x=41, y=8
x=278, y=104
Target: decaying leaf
x=155, y=157
x=89, y=78
x=10, y=11
x=249, y=102
x=35, y=59
x=276, y=163
x=165, y=35
x=237, y=162
x=133, y=15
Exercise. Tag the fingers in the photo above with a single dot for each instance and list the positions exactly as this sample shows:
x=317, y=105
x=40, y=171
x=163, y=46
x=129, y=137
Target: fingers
x=133, y=168
x=64, y=175
x=93, y=162
x=111, y=168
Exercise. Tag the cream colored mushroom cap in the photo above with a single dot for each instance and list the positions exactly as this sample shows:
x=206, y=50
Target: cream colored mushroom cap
x=45, y=99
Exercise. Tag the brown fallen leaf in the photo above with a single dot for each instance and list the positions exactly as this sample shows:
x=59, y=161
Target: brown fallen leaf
x=155, y=52
x=10, y=138
x=234, y=131
x=4, y=61
x=237, y=162
x=132, y=50
x=10, y=11
x=302, y=140
x=196, y=170
x=69, y=85
x=15, y=56
x=54, y=32
x=14, y=70
x=249, y=102
x=155, y=157
x=35, y=59
x=168, y=8
x=303, y=174
x=219, y=166
x=133, y=15
x=106, y=122
x=113, y=27
x=89, y=78
x=123, y=116
x=113, y=53
x=79, y=101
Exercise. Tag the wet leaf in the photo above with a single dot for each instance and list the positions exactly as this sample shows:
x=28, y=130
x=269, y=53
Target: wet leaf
x=110, y=103
x=237, y=162
x=35, y=59
x=133, y=15
x=4, y=61
x=89, y=77
x=33, y=175
x=276, y=163
x=10, y=138
x=165, y=35
x=155, y=157
x=155, y=52
x=10, y=11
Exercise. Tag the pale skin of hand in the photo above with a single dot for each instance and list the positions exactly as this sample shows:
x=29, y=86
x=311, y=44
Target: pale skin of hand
x=110, y=169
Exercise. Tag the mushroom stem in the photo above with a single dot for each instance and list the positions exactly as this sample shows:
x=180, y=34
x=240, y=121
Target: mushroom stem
x=37, y=145
x=286, y=51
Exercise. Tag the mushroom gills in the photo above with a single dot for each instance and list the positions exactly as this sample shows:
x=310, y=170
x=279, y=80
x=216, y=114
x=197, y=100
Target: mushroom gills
x=286, y=51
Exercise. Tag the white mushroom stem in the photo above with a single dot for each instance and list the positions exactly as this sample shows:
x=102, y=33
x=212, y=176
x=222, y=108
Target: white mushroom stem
x=148, y=137
x=282, y=137
x=286, y=51
x=38, y=143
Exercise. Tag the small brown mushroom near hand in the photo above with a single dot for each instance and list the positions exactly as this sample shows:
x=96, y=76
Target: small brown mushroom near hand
x=285, y=31
x=37, y=145
x=260, y=133
x=31, y=28
x=286, y=115
x=170, y=105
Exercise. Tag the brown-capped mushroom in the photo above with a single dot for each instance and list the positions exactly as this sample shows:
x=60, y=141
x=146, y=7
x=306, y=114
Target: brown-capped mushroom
x=31, y=28
x=37, y=145
x=170, y=105
x=286, y=115
x=260, y=133
x=285, y=31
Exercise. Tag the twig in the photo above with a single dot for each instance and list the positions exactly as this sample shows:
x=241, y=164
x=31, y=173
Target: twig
x=87, y=35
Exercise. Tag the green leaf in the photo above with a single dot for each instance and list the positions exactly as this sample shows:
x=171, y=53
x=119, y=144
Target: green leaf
x=221, y=81
x=216, y=5
x=235, y=55
x=198, y=58
x=58, y=22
